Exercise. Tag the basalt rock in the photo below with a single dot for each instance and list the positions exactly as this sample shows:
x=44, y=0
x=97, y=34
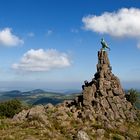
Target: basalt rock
x=105, y=94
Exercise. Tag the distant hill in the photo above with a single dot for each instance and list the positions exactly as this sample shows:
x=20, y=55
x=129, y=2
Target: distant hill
x=47, y=100
x=37, y=96
x=13, y=93
x=37, y=91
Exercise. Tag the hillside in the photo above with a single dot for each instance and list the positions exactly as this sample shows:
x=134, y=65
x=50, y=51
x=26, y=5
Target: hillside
x=36, y=96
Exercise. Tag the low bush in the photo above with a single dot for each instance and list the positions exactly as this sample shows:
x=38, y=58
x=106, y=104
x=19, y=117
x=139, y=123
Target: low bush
x=10, y=108
x=132, y=96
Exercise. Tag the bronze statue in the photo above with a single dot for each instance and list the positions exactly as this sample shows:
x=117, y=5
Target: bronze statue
x=104, y=45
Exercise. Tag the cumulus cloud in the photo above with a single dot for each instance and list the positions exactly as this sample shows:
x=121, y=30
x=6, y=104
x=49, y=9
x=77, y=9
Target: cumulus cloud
x=7, y=38
x=124, y=22
x=41, y=60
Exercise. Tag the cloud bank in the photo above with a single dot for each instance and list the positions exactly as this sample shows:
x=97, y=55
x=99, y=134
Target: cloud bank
x=123, y=23
x=7, y=38
x=41, y=60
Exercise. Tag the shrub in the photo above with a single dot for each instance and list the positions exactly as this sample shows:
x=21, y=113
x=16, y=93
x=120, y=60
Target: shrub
x=132, y=96
x=10, y=108
x=116, y=137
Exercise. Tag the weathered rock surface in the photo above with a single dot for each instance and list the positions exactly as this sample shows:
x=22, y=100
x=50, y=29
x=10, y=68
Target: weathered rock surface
x=105, y=94
x=37, y=112
x=82, y=135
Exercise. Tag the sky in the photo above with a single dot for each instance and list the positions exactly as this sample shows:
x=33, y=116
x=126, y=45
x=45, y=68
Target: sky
x=53, y=44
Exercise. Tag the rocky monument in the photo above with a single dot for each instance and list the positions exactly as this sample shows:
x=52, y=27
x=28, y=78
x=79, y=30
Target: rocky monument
x=105, y=96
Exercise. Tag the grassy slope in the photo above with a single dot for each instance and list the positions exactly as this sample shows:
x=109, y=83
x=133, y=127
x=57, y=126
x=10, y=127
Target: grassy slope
x=57, y=130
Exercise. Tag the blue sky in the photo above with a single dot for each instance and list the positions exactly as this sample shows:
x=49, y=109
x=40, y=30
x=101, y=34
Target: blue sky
x=53, y=44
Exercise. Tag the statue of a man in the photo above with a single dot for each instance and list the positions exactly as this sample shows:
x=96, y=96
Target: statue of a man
x=104, y=45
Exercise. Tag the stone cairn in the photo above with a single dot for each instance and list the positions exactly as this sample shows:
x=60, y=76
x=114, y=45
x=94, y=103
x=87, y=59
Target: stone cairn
x=104, y=95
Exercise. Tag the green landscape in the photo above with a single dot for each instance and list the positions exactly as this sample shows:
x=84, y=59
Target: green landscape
x=37, y=96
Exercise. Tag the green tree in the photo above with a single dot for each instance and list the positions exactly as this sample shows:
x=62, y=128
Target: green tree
x=10, y=108
x=132, y=96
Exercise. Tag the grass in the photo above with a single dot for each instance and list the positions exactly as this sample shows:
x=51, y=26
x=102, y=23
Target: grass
x=117, y=137
x=28, y=129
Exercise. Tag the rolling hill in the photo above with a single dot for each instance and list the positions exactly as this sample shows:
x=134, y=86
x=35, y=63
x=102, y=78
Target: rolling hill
x=37, y=96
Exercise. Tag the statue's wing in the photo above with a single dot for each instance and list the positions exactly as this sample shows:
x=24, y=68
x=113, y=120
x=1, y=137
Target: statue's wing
x=106, y=44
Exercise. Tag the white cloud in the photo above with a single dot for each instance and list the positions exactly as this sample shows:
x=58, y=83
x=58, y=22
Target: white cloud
x=41, y=60
x=124, y=22
x=7, y=38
